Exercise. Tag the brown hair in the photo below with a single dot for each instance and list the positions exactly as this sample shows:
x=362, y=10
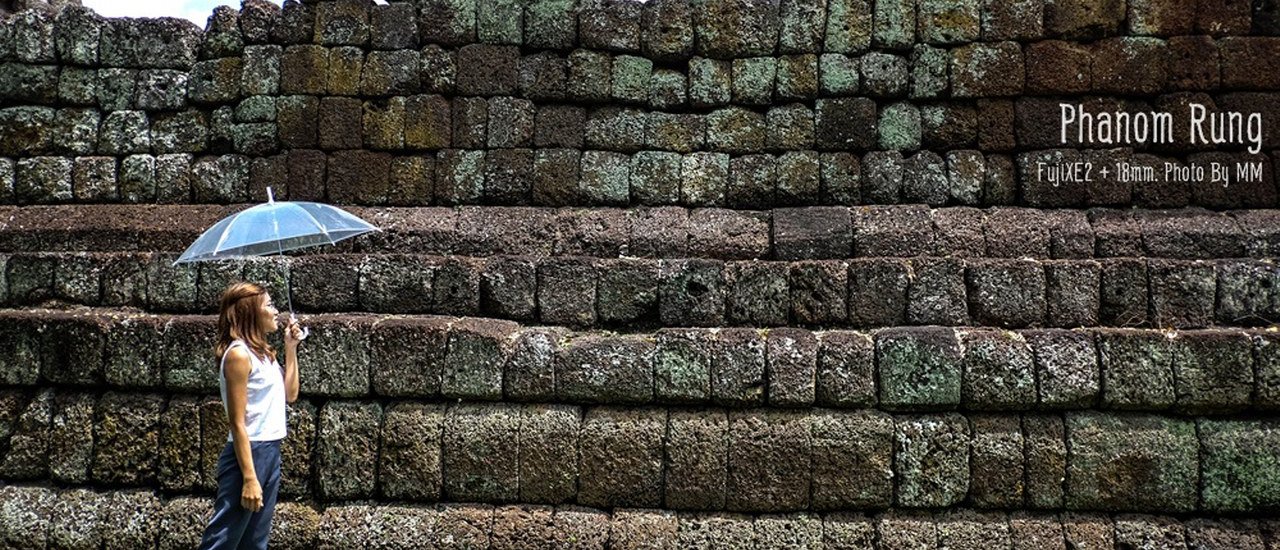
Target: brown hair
x=238, y=319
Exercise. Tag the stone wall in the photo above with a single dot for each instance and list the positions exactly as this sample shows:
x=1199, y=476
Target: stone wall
x=675, y=274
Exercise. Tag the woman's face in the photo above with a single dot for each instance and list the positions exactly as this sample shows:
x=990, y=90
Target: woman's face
x=268, y=314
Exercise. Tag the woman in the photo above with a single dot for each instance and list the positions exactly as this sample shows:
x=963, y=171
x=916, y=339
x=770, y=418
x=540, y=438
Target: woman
x=255, y=390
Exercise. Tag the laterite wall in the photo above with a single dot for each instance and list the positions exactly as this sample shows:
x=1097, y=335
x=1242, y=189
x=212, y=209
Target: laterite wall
x=680, y=274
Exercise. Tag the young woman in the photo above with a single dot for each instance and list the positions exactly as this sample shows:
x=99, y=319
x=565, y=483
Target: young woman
x=255, y=390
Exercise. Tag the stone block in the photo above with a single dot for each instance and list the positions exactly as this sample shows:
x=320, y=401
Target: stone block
x=550, y=24
x=682, y=365
x=734, y=29
x=1083, y=19
x=1244, y=292
x=132, y=519
x=789, y=127
x=884, y=75
x=1066, y=365
x=818, y=292
x=1236, y=470
x=1223, y=533
x=1137, y=369
x=543, y=76
x=590, y=76
x=325, y=283
x=924, y=179
x=559, y=126
x=43, y=180
x=72, y=350
x=296, y=24
x=697, y=451
x=845, y=369
x=852, y=459
x=714, y=530
x=622, y=456
x=1181, y=293
x=936, y=294
x=439, y=69
x=457, y=286
x=395, y=284
x=409, y=355
x=479, y=452
x=347, y=450
x=567, y=291
x=1130, y=65
x=681, y=132
x=1056, y=66
x=549, y=453
x=666, y=29
x=628, y=291
x=1123, y=292
x=758, y=293
x=1071, y=293
x=668, y=90
x=987, y=70
x=487, y=70
x=76, y=35
x=126, y=438
x=919, y=368
x=952, y=126
x=337, y=344
x=996, y=462
x=752, y=181
x=845, y=123
x=690, y=293
x=878, y=292
x=848, y=27
x=1017, y=20
x=838, y=75
x=637, y=529
x=1149, y=531
x=164, y=43
x=753, y=80
x=447, y=22
x=409, y=452
x=1046, y=460
x=738, y=368
x=812, y=233
x=180, y=132
x=74, y=519
x=655, y=177
x=1008, y=293
x=605, y=370
x=798, y=178
x=1212, y=372
x=998, y=371
x=894, y=24
x=1131, y=462
x=792, y=366
x=594, y=233
x=604, y=178
x=631, y=78
x=769, y=463
x=892, y=231
x=931, y=458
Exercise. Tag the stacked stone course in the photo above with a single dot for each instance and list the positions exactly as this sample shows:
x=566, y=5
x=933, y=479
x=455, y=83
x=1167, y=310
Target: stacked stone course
x=672, y=274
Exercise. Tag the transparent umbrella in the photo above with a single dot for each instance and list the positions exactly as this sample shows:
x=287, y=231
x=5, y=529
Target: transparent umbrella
x=274, y=228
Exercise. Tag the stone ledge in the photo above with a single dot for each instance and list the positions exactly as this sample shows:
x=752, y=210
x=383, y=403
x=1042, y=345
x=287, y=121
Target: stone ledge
x=1198, y=372
x=629, y=293
x=740, y=460
x=678, y=232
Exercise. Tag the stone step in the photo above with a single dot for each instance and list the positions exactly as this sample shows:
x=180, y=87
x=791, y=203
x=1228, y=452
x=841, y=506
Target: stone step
x=897, y=369
x=143, y=519
x=626, y=293
x=741, y=460
x=676, y=232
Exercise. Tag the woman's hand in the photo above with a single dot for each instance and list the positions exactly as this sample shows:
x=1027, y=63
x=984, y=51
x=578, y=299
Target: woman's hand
x=251, y=495
x=293, y=334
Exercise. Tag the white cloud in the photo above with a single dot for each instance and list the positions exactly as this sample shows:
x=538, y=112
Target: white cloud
x=197, y=11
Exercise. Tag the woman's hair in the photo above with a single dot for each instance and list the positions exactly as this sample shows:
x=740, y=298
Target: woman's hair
x=239, y=318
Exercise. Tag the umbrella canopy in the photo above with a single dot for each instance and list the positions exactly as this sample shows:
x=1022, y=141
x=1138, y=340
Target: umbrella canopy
x=274, y=228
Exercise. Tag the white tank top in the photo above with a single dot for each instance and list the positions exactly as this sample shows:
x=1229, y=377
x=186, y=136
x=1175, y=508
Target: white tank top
x=264, y=410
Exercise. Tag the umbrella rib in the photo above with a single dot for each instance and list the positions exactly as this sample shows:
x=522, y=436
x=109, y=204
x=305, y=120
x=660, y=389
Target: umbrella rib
x=323, y=230
x=226, y=230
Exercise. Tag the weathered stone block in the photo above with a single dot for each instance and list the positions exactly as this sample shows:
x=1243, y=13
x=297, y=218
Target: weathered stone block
x=338, y=346
x=690, y=293
x=738, y=367
x=1212, y=372
x=757, y=293
x=409, y=355
x=819, y=291
x=1066, y=365
x=931, y=458
x=697, y=449
x=636, y=529
x=1123, y=292
x=590, y=75
x=488, y=70
x=344, y=22
x=605, y=370
x=667, y=29
x=996, y=462
x=1046, y=460
x=1238, y=467
x=1083, y=19
x=998, y=371
x=852, y=459
x=1131, y=462
x=884, y=75
x=549, y=453
x=710, y=82
x=845, y=123
x=409, y=451
x=126, y=438
x=1016, y=20
x=1009, y=293
x=622, y=452
x=1137, y=369
x=769, y=466
x=628, y=291
x=919, y=367
x=479, y=452
x=936, y=294
x=894, y=24
x=985, y=70
x=567, y=291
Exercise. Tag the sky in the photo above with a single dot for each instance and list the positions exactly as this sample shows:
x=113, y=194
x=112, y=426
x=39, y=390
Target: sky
x=198, y=11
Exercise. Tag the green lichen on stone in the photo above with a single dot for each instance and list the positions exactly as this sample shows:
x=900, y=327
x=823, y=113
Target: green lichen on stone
x=928, y=71
x=550, y=24
x=753, y=80
x=931, y=460
x=919, y=368
x=258, y=108
x=631, y=76
x=667, y=89
x=1241, y=466
x=590, y=75
x=710, y=82
x=797, y=77
x=894, y=24
x=848, y=27
x=884, y=75
x=798, y=176
x=801, y=25
x=655, y=177
x=965, y=171
x=735, y=130
x=1131, y=462
x=790, y=127
x=499, y=21
x=948, y=21
x=682, y=366
x=900, y=127
x=704, y=177
x=605, y=178
x=838, y=74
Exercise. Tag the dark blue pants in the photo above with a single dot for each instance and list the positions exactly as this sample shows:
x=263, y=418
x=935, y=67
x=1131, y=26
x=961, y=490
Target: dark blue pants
x=233, y=527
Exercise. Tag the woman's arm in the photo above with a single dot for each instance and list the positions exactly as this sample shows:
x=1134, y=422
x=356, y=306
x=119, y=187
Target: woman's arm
x=292, y=336
x=237, y=374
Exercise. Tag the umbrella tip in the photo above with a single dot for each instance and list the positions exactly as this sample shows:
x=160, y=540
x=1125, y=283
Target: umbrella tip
x=271, y=198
